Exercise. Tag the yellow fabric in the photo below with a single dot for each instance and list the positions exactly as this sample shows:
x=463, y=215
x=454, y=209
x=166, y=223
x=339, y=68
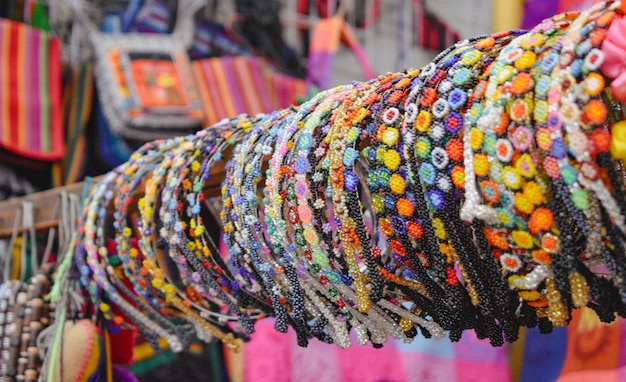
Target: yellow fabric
x=17, y=259
x=506, y=14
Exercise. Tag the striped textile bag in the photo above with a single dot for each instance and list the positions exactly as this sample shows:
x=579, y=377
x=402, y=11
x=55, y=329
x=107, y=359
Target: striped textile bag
x=233, y=85
x=31, y=126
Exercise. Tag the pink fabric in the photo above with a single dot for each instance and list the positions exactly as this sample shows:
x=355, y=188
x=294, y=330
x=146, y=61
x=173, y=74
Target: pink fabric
x=273, y=356
x=614, y=64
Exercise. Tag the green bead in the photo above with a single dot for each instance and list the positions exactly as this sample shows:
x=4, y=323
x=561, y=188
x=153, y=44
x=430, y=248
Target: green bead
x=349, y=316
x=580, y=199
x=114, y=260
x=300, y=237
x=333, y=292
x=315, y=268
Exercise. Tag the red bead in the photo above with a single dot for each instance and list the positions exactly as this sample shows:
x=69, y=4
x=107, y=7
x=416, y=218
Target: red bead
x=451, y=279
x=376, y=252
x=398, y=248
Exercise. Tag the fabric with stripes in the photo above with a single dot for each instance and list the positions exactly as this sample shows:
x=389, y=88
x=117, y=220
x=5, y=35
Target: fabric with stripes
x=233, y=85
x=30, y=93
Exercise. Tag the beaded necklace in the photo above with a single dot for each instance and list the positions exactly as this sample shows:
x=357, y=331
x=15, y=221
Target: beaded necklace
x=324, y=266
x=129, y=180
x=199, y=261
x=588, y=138
x=95, y=253
x=247, y=252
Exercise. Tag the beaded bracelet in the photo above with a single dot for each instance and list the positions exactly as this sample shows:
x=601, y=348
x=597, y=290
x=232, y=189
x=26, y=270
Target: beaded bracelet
x=497, y=310
x=384, y=202
x=131, y=257
x=588, y=140
x=193, y=262
x=304, y=214
x=247, y=248
x=234, y=223
x=189, y=257
x=134, y=258
x=274, y=199
x=431, y=159
x=94, y=268
x=494, y=185
x=244, y=208
x=388, y=174
x=344, y=183
x=319, y=262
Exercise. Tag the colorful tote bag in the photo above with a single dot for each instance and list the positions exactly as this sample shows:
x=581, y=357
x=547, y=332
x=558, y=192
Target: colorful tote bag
x=31, y=125
x=144, y=80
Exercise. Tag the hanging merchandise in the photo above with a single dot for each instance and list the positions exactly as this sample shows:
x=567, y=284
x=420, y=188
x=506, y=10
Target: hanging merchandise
x=432, y=32
x=110, y=149
x=323, y=41
x=328, y=33
x=537, y=10
x=357, y=14
x=424, y=359
x=31, y=129
x=77, y=107
x=233, y=85
x=476, y=193
x=364, y=17
x=149, y=16
x=587, y=349
x=144, y=80
x=27, y=280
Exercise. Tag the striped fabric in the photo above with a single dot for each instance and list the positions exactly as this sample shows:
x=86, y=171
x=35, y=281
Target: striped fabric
x=77, y=102
x=233, y=85
x=30, y=93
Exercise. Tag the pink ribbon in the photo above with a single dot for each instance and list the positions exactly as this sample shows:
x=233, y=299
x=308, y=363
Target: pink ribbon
x=614, y=64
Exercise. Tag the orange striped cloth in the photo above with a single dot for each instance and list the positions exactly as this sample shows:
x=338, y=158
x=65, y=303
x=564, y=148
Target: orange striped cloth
x=232, y=85
x=30, y=92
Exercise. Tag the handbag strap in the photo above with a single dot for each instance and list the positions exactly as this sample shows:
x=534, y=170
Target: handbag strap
x=327, y=35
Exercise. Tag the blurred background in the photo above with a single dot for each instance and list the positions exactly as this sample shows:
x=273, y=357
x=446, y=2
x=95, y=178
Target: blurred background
x=250, y=56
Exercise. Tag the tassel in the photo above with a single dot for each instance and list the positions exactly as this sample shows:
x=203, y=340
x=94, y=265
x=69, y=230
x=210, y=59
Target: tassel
x=58, y=295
